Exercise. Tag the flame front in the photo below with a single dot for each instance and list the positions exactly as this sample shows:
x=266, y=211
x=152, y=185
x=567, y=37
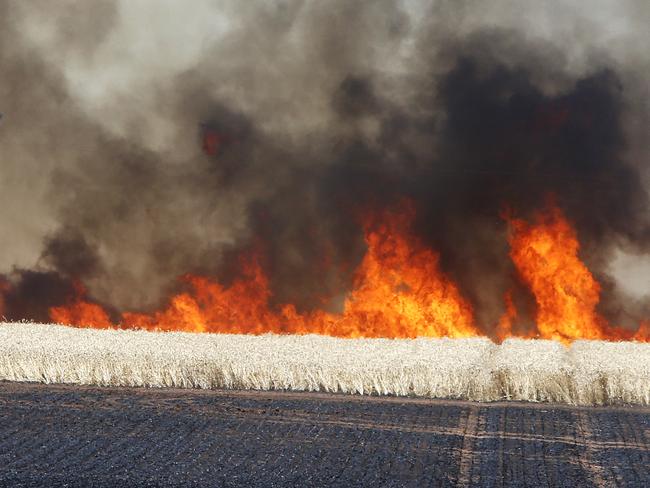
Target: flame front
x=546, y=256
x=81, y=312
x=398, y=290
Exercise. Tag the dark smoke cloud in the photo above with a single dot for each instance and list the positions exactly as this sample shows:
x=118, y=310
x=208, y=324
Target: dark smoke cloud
x=71, y=255
x=125, y=167
x=33, y=293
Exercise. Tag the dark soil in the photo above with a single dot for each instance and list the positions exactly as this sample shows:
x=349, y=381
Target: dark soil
x=111, y=437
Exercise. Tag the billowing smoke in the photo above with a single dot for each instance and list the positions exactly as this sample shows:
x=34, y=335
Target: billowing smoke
x=144, y=140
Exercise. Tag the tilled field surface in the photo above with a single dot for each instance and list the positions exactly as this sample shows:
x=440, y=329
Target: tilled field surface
x=85, y=436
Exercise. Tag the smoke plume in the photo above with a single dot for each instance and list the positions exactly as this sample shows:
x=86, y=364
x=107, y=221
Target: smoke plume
x=144, y=140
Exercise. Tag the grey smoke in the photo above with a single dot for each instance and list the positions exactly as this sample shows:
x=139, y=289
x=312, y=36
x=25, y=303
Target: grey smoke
x=327, y=106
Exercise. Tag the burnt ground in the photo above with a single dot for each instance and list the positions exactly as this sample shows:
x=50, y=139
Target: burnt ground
x=105, y=437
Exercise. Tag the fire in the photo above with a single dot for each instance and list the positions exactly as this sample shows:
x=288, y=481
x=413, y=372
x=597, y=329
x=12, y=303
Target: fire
x=214, y=141
x=398, y=290
x=546, y=257
x=80, y=312
x=504, y=327
x=643, y=334
x=241, y=308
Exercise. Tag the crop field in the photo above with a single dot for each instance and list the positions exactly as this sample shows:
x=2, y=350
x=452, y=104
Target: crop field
x=81, y=436
x=585, y=373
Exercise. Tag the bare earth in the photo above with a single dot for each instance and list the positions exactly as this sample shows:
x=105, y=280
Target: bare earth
x=85, y=436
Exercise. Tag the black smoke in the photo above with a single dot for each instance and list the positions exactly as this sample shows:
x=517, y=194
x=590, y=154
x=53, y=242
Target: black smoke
x=279, y=135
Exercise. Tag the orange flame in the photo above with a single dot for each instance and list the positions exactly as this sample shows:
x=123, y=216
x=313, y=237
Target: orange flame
x=546, y=256
x=80, y=312
x=504, y=327
x=241, y=308
x=643, y=333
x=398, y=291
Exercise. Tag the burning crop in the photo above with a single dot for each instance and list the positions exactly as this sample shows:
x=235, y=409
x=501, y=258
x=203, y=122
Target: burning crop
x=349, y=169
x=545, y=254
x=398, y=291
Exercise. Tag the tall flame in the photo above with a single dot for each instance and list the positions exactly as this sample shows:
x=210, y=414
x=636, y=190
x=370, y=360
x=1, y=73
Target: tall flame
x=546, y=256
x=398, y=290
